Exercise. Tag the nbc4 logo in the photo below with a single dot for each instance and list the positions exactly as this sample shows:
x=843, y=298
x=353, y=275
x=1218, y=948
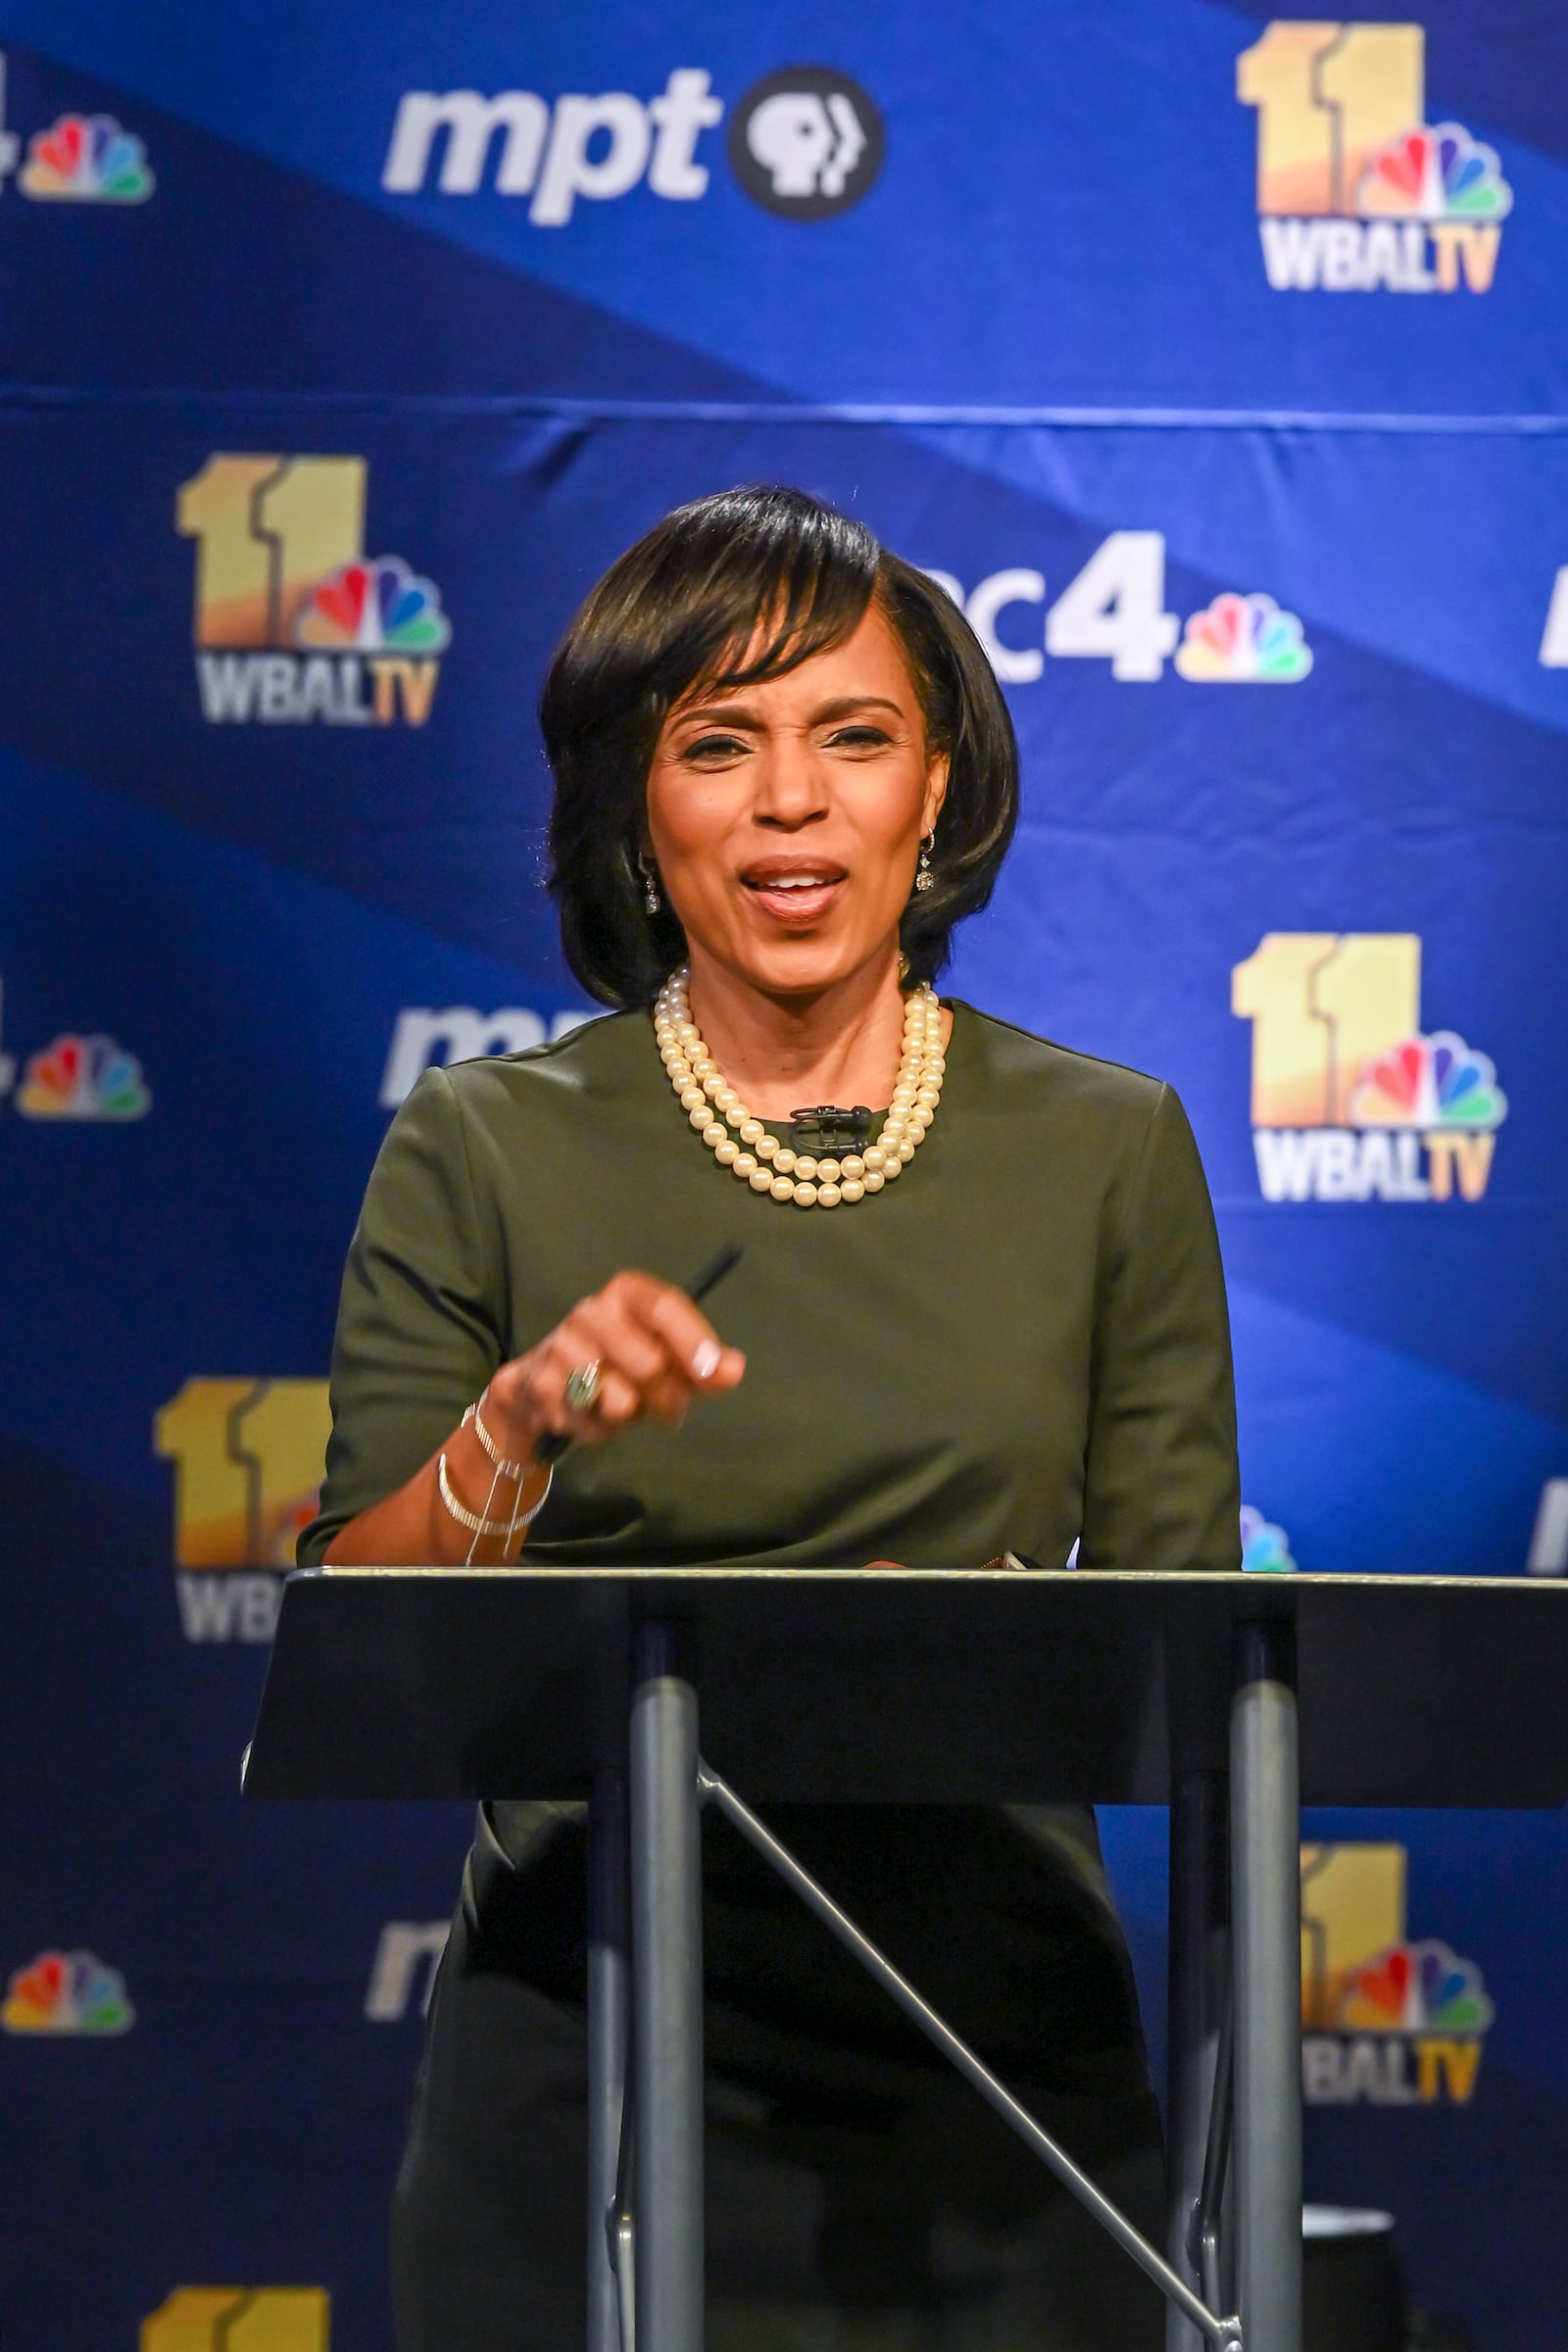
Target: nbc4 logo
x=1355, y=189
x=1384, y=2021
x=248, y=1456
x=240, y=2318
x=329, y=633
x=78, y=158
x=1114, y=611
x=1350, y=1100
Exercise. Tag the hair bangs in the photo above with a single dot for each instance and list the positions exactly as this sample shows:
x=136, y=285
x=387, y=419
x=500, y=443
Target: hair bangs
x=777, y=596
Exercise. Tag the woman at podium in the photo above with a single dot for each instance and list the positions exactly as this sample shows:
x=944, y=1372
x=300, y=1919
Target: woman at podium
x=980, y=1309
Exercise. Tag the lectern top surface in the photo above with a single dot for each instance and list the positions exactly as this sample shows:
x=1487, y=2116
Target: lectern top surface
x=913, y=1685
x=1096, y=1579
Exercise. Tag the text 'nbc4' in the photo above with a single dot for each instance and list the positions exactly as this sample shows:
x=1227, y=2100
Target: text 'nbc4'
x=1356, y=191
x=1350, y=1100
x=1113, y=610
x=248, y=1457
x=293, y=622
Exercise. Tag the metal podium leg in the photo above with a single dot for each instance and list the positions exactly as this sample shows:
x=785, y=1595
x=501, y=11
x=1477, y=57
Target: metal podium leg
x=1267, y=1915
x=609, y=1988
x=666, y=1997
x=1198, y=1944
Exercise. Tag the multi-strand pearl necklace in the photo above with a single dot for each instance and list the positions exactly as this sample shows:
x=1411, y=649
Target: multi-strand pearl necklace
x=741, y=1144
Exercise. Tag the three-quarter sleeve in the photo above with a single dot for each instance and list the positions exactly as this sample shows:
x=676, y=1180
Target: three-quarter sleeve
x=417, y=1327
x=1161, y=1487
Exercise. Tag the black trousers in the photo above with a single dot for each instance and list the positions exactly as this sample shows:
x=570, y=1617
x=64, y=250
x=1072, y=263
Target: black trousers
x=917, y=2223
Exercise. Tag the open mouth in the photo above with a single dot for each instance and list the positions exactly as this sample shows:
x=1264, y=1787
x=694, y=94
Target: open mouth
x=793, y=893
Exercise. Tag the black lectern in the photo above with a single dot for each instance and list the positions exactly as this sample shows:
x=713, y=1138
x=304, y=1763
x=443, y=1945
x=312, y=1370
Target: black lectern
x=1231, y=1699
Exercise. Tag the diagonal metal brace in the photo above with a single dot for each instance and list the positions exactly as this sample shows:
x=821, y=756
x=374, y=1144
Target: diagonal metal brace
x=1203, y=2245
x=1225, y=2335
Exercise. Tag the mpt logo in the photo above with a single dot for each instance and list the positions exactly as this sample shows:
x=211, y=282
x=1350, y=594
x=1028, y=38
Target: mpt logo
x=425, y=1034
x=806, y=142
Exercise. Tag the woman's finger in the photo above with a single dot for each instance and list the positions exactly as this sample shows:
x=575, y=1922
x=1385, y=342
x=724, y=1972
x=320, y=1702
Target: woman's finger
x=611, y=1333
x=608, y=1332
x=620, y=1402
x=693, y=1343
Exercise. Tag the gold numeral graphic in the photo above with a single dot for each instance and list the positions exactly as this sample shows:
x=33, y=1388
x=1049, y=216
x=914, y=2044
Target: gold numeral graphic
x=312, y=516
x=247, y=1460
x=235, y=601
x=266, y=528
x=1353, y=1908
x=283, y=1434
x=1291, y=1045
x=236, y=2318
x=212, y=1483
x=1323, y=1004
x=1369, y=991
x=1327, y=97
x=1374, y=81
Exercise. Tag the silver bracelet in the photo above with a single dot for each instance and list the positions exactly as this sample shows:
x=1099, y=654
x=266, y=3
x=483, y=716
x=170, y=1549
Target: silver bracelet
x=475, y=1521
x=516, y=1471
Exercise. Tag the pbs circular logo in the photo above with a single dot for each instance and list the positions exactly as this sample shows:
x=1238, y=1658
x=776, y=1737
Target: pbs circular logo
x=806, y=142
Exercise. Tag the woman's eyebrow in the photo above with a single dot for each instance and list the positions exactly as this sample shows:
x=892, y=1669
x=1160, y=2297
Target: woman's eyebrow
x=732, y=714
x=825, y=712
x=745, y=714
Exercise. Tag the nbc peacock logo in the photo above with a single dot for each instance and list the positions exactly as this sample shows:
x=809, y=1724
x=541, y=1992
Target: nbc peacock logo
x=1352, y=1099
x=83, y=1078
x=85, y=159
x=1244, y=641
x=294, y=623
x=1383, y=2020
x=66, y=1992
x=77, y=159
x=1356, y=191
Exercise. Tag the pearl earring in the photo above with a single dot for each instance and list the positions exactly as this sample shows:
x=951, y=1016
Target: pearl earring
x=650, y=898
x=924, y=878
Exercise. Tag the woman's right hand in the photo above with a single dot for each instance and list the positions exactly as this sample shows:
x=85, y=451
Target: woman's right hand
x=654, y=1352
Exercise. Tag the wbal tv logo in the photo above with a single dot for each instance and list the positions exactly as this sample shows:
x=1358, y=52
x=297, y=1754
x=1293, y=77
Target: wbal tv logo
x=280, y=572
x=1384, y=2021
x=1350, y=1100
x=1356, y=191
x=248, y=1456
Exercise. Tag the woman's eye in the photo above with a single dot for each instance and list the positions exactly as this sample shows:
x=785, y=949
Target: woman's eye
x=858, y=739
x=715, y=747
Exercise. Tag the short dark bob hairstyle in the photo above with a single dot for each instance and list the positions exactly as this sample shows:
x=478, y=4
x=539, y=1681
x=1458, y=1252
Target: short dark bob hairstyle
x=681, y=608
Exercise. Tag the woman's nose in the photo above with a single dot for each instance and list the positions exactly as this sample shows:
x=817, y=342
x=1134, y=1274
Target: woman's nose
x=792, y=789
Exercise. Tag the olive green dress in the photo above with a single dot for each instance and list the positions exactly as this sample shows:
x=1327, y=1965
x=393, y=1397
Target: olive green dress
x=1021, y=1344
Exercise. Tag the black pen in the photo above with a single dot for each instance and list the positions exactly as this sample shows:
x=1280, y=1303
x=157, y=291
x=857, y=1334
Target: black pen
x=551, y=1447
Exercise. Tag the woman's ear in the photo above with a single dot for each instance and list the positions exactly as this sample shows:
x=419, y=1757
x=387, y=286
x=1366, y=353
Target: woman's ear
x=936, y=790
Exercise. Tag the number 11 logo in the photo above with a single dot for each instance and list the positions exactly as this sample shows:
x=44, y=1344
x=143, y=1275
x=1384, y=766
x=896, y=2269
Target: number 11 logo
x=279, y=565
x=1349, y=1100
x=1343, y=140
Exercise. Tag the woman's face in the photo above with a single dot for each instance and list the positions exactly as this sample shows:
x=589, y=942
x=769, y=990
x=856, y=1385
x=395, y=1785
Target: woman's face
x=785, y=818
